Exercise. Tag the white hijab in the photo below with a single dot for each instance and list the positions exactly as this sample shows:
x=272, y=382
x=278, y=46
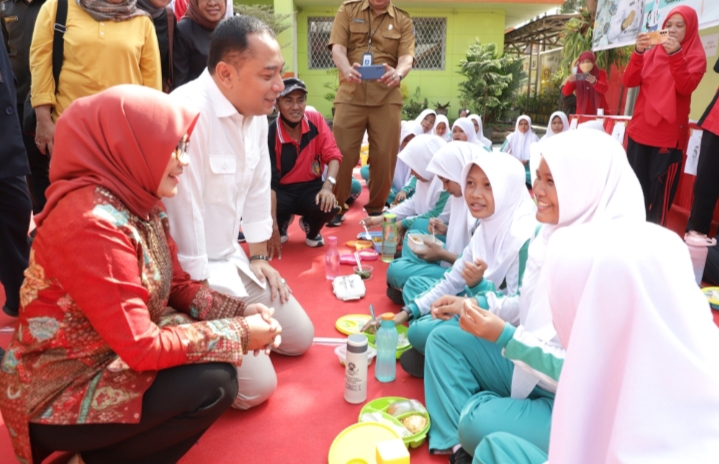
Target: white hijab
x=593, y=184
x=468, y=128
x=417, y=155
x=534, y=156
x=640, y=381
x=500, y=236
x=449, y=162
x=402, y=173
x=423, y=115
x=565, y=121
x=480, y=133
x=518, y=144
x=448, y=133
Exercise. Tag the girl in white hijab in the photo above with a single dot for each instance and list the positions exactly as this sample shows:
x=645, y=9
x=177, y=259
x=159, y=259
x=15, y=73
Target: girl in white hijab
x=429, y=199
x=433, y=261
x=558, y=123
x=463, y=131
x=477, y=121
x=643, y=384
x=514, y=392
x=518, y=143
x=426, y=119
x=492, y=263
x=441, y=128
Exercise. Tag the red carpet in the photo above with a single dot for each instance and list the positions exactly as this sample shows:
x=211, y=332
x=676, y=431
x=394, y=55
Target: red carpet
x=299, y=422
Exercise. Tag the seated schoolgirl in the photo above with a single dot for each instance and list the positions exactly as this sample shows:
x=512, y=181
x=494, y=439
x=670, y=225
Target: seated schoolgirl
x=429, y=200
x=493, y=263
x=441, y=128
x=479, y=130
x=426, y=119
x=403, y=183
x=641, y=385
x=463, y=131
x=95, y=367
x=519, y=142
x=558, y=123
x=472, y=388
x=435, y=259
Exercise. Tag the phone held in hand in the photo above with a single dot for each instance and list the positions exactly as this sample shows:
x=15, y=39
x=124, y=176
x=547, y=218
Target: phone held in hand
x=658, y=37
x=372, y=72
x=582, y=76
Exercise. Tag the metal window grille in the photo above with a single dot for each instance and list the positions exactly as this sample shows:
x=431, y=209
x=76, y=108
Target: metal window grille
x=430, y=43
x=319, y=55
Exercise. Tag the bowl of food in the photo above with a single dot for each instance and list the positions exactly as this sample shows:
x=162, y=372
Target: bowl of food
x=365, y=273
x=409, y=418
x=418, y=242
x=377, y=243
x=341, y=352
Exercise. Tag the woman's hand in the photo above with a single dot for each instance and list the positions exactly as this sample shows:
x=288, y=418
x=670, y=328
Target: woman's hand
x=400, y=197
x=446, y=307
x=399, y=319
x=644, y=42
x=672, y=45
x=591, y=79
x=431, y=253
x=265, y=272
x=473, y=273
x=264, y=334
x=45, y=130
x=572, y=78
x=437, y=226
x=480, y=323
x=371, y=221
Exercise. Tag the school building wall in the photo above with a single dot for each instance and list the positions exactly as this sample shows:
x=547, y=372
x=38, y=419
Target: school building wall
x=463, y=27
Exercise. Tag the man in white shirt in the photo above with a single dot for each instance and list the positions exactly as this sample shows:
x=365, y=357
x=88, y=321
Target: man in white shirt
x=227, y=184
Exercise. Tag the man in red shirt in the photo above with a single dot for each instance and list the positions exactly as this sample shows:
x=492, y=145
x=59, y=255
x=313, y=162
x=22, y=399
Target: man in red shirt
x=301, y=145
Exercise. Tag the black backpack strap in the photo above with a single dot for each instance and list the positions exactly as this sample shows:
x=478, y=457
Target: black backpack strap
x=58, y=41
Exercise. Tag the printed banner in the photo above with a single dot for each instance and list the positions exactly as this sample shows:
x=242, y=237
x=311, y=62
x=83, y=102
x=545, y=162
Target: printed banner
x=618, y=22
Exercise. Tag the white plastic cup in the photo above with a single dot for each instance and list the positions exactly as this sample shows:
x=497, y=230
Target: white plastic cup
x=356, y=369
x=600, y=111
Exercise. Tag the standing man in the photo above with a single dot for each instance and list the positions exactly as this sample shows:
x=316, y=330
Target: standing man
x=301, y=146
x=227, y=184
x=15, y=205
x=18, y=22
x=376, y=31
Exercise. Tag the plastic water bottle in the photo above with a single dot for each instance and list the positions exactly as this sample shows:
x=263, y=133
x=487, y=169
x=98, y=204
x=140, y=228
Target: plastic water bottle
x=385, y=369
x=389, y=237
x=332, y=259
x=356, y=369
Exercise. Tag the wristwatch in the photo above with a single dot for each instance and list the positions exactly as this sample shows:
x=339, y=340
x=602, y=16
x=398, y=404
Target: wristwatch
x=332, y=180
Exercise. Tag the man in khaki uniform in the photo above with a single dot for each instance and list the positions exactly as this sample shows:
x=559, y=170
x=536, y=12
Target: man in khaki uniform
x=385, y=31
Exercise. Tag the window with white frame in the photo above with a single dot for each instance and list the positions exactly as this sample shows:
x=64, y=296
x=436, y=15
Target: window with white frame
x=319, y=56
x=430, y=43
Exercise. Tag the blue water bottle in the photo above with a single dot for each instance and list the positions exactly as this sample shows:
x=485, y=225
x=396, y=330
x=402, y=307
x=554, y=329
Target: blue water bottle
x=385, y=369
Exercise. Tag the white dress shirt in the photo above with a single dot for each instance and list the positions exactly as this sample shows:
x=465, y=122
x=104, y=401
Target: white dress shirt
x=226, y=184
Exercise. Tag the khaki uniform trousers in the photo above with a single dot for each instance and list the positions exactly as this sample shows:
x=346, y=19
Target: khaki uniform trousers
x=383, y=125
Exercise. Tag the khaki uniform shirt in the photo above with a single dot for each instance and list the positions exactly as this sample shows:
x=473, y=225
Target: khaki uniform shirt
x=394, y=38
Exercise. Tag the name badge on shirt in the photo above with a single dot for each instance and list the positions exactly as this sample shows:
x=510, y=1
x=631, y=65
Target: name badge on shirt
x=358, y=20
x=9, y=19
x=367, y=59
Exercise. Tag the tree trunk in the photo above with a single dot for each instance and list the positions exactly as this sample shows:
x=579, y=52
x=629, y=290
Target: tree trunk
x=592, y=7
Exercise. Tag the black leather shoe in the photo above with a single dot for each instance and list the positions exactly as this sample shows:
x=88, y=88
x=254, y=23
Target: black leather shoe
x=10, y=312
x=412, y=362
x=395, y=295
x=460, y=457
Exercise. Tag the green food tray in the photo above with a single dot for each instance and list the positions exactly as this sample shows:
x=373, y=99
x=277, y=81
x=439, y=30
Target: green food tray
x=401, y=329
x=381, y=405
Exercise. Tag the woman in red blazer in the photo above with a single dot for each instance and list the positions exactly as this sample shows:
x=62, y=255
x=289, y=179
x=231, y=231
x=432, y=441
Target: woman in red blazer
x=590, y=91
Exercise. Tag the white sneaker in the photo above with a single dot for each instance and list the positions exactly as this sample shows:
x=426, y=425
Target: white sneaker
x=316, y=242
x=696, y=239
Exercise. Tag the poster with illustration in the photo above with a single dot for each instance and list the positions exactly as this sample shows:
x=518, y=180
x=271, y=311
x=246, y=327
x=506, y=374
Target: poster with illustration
x=618, y=22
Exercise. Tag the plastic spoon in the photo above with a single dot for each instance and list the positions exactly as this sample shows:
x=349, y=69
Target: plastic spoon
x=366, y=231
x=359, y=263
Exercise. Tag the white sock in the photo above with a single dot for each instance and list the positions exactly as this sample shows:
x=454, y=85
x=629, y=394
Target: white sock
x=455, y=448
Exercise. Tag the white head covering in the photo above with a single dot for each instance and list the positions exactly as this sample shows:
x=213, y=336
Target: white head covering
x=500, y=236
x=417, y=155
x=518, y=143
x=594, y=184
x=449, y=162
x=640, y=380
x=402, y=173
x=468, y=128
x=565, y=121
x=423, y=115
x=480, y=133
x=448, y=133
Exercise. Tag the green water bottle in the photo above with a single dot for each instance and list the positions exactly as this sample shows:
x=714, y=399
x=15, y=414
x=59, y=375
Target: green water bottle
x=389, y=237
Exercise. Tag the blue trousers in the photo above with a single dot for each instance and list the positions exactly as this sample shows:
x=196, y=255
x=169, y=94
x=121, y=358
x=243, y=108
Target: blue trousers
x=504, y=448
x=410, y=264
x=467, y=386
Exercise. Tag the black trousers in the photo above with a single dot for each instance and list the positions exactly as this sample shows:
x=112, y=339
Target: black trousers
x=300, y=199
x=15, y=209
x=706, y=187
x=180, y=405
x=39, y=179
x=658, y=172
